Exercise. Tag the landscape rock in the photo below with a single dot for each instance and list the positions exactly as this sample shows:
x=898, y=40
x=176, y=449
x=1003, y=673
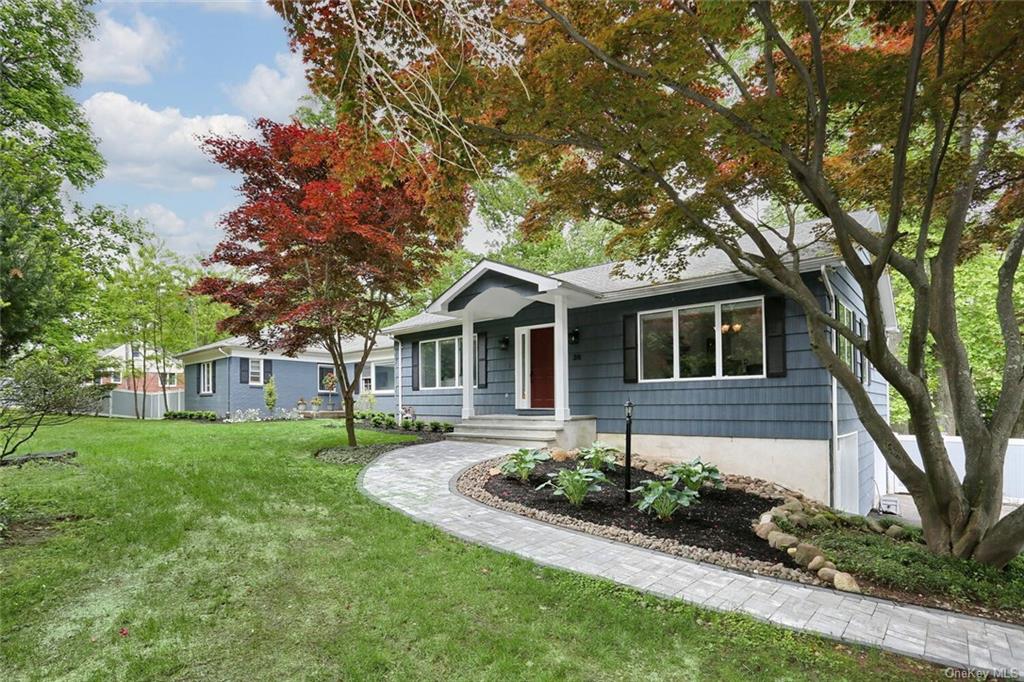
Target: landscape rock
x=780, y=540
x=766, y=517
x=805, y=553
x=816, y=563
x=829, y=564
x=791, y=504
x=896, y=531
x=763, y=530
x=560, y=455
x=821, y=521
x=827, y=574
x=494, y=471
x=799, y=519
x=875, y=526
x=845, y=583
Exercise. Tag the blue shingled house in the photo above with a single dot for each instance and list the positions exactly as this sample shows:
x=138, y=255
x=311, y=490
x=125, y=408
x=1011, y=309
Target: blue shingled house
x=229, y=375
x=717, y=365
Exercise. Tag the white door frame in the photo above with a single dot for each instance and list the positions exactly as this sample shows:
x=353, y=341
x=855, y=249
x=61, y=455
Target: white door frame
x=521, y=349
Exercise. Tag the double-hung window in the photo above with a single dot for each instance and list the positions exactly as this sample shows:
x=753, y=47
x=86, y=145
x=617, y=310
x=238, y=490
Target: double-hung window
x=256, y=371
x=206, y=378
x=168, y=379
x=441, y=363
x=844, y=348
x=115, y=376
x=705, y=341
x=383, y=374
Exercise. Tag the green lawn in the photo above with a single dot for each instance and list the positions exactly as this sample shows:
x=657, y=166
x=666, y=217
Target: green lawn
x=227, y=552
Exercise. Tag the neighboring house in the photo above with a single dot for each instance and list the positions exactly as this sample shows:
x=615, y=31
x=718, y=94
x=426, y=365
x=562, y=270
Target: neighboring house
x=718, y=366
x=229, y=375
x=139, y=382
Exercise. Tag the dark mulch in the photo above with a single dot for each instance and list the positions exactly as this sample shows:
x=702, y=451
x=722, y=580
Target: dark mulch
x=720, y=522
x=364, y=454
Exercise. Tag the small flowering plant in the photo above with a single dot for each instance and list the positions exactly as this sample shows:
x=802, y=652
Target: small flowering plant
x=330, y=382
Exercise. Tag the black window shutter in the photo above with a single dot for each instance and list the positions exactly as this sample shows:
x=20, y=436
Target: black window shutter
x=860, y=358
x=775, y=336
x=629, y=349
x=268, y=370
x=213, y=377
x=481, y=360
x=243, y=370
x=199, y=377
x=415, y=366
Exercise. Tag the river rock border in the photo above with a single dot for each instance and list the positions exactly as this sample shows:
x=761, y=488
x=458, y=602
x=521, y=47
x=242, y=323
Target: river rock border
x=472, y=481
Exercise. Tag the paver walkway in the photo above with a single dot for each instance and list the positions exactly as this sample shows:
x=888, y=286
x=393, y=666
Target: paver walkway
x=419, y=481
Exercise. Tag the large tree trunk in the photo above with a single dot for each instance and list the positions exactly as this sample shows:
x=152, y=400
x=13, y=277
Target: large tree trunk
x=350, y=419
x=944, y=404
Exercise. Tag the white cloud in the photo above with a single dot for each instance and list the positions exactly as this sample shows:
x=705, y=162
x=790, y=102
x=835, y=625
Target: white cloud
x=272, y=92
x=258, y=7
x=196, y=236
x=157, y=149
x=162, y=220
x=124, y=54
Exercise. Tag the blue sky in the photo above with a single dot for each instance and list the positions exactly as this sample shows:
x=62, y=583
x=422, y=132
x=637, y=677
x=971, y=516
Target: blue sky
x=156, y=75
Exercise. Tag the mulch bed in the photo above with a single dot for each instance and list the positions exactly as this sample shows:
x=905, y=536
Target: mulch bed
x=33, y=530
x=720, y=522
x=364, y=454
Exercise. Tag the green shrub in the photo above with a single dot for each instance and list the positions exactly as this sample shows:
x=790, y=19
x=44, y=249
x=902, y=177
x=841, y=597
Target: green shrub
x=576, y=484
x=419, y=425
x=598, y=456
x=910, y=566
x=521, y=463
x=695, y=475
x=379, y=419
x=663, y=499
x=407, y=424
x=389, y=421
x=447, y=427
x=193, y=415
x=436, y=427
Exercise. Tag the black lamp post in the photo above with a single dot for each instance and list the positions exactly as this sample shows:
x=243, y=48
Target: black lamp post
x=629, y=445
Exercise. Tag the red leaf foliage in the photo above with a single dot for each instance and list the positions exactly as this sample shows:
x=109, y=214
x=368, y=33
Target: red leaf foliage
x=334, y=230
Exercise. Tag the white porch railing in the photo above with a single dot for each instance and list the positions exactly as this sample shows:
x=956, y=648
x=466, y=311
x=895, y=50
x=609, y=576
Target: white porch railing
x=1013, y=470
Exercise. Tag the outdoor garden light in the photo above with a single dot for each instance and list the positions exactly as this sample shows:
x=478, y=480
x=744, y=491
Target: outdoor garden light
x=574, y=336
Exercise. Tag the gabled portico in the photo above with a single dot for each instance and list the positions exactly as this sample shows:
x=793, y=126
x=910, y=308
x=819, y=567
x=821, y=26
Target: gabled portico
x=495, y=290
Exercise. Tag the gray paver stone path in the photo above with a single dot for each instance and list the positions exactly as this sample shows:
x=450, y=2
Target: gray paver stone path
x=419, y=481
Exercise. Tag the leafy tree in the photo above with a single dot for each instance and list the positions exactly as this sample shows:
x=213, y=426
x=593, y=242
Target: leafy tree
x=673, y=119
x=334, y=232
x=53, y=252
x=42, y=391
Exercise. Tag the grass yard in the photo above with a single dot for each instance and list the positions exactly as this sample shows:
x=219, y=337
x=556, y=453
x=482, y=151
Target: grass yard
x=225, y=551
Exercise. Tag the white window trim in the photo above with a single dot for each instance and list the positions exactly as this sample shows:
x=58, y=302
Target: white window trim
x=373, y=377
x=319, y=388
x=718, y=376
x=173, y=384
x=206, y=378
x=116, y=373
x=259, y=362
x=437, y=363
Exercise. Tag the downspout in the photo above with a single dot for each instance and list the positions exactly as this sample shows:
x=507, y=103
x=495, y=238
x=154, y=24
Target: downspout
x=220, y=349
x=398, y=383
x=833, y=443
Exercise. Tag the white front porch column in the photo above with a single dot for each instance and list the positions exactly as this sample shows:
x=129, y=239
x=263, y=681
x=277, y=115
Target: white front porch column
x=468, y=360
x=561, y=359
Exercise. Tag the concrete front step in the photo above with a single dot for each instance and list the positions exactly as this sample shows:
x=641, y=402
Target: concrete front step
x=513, y=441
x=483, y=425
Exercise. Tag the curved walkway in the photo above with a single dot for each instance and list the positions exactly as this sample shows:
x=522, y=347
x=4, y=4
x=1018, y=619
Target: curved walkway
x=419, y=481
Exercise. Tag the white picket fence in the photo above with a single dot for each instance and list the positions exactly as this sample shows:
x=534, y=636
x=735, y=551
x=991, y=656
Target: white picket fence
x=1013, y=469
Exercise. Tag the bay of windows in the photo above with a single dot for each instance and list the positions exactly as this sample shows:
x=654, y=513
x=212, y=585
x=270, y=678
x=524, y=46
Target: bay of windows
x=441, y=363
x=704, y=341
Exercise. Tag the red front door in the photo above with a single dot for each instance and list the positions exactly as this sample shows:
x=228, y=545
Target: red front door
x=542, y=367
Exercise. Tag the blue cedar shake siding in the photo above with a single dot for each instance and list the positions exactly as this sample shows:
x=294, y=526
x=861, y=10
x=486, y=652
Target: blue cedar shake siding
x=794, y=406
x=294, y=379
x=848, y=293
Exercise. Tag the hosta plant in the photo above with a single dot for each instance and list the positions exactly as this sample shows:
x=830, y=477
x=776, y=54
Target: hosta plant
x=520, y=464
x=576, y=484
x=662, y=498
x=695, y=475
x=598, y=456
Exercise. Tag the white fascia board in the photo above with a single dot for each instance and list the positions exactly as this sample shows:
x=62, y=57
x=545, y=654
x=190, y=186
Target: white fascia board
x=543, y=282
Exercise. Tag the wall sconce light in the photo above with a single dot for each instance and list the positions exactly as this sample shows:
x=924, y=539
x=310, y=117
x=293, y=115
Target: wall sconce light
x=736, y=327
x=725, y=329
x=574, y=336
x=503, y=344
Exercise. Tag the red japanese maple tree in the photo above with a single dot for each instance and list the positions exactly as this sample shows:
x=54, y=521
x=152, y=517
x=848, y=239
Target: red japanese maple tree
x=336, y=228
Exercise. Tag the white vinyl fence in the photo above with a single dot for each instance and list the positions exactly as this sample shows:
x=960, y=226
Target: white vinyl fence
x=123, y=403
x=1013, y=470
